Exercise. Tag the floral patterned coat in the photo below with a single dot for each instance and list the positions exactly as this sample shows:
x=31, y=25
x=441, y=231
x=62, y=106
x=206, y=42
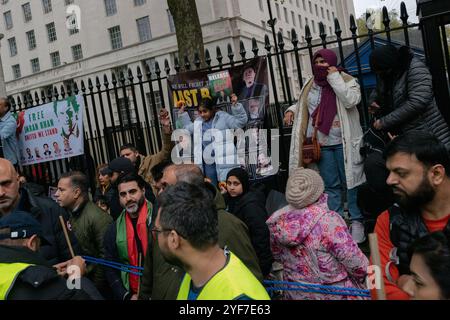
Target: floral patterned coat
x=314, y=246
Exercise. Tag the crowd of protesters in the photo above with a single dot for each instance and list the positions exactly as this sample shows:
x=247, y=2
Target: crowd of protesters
x=157, y=230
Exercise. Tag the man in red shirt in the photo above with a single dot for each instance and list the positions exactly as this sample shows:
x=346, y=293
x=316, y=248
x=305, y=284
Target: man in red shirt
x=419, y=168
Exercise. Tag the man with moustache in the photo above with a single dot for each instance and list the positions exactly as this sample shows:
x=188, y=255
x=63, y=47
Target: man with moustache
x=116, y=168
x=419, y=168
x=126, y=240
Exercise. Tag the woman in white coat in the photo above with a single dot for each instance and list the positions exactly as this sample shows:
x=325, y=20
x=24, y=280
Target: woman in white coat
x=331, y=98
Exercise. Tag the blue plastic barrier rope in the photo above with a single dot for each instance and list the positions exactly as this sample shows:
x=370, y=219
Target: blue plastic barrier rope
x=308, y=285
x=115, y=265
x=270, y=285
x=316, y=288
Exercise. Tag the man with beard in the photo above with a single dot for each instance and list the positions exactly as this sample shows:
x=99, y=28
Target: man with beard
x=251, y=88
x=116, y=168
x=126, y=240
x=187, y=229
x=419, y=168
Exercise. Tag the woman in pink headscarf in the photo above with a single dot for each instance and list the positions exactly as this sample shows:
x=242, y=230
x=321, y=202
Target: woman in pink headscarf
x=329, y=101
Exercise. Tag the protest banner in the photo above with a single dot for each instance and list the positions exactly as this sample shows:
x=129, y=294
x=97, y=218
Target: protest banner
x=250, y=84
x=52, y=131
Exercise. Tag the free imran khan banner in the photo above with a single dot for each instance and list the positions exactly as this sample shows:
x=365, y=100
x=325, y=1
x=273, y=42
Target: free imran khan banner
x=51, y=132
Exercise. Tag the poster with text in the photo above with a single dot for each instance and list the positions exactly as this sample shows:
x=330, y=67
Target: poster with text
x=249, y=82
x=51, y=132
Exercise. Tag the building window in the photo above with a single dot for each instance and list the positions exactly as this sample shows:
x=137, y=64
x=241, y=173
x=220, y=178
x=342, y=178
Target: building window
x=277, y=6
x=126, y=110
x=73, y=24
x=47, y=6
x=261, y=5
x=151, y=63
x=139, y=2
x=293, y=19
x=12, y=46
x=68, y=2
x=323, y=13
x=158, y=102
x=328, y=14
x=300, y=22
x=143, y=25
x=304, y=5
x=286, y=17
x=77, y=52
x=171, y=22
x=116, y=37
x=310, y=7
x=51, y=31
x=27, y=12
x=111, y=7
x=55, y=59
x=16, y=71
x=31, y=40
x=35, y=67
x=313, y=26
x=317, y=10
x=8, y=20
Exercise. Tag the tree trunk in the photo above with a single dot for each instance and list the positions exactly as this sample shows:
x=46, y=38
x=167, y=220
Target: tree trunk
x=188, y=30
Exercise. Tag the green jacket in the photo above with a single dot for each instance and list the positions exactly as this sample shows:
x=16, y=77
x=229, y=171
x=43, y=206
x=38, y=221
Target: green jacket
x=89, y=224
x=162, y=281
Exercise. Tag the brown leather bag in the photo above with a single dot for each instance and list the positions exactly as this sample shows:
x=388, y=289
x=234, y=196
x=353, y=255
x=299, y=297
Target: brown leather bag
x=311, y=146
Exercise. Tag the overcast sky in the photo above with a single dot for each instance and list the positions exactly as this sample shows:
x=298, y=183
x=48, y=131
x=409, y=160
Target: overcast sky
x=362, y=5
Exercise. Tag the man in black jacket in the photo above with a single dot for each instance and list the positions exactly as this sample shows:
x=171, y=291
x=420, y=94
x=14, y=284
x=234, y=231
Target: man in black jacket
x=126, y=240
x=47, y=212
x=24, y=274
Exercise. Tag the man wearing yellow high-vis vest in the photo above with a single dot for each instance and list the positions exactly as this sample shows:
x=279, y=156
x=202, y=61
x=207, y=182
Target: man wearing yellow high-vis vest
x=24, y=274
x=187, y=232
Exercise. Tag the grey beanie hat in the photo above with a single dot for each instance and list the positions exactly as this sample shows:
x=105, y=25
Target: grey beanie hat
x=304, y=187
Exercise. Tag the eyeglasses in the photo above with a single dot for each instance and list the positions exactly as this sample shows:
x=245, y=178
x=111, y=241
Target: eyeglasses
x=155, y=230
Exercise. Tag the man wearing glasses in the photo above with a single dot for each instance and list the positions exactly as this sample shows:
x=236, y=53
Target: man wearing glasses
x=160, y=280
x=126, y=240
x=188, y=235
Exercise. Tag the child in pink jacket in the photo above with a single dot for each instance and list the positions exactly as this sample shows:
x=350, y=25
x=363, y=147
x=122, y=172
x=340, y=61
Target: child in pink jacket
x=312, y=242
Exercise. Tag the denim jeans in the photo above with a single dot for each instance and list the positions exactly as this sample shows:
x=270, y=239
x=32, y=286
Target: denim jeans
x=332, y=170
x=210, y=171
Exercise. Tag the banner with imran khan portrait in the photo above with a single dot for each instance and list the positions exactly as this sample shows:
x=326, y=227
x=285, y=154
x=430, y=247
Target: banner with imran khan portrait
x=51, y=132
x=249, y=82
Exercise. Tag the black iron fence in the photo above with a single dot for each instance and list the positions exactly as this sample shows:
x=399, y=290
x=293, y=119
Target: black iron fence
x=123, y=108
